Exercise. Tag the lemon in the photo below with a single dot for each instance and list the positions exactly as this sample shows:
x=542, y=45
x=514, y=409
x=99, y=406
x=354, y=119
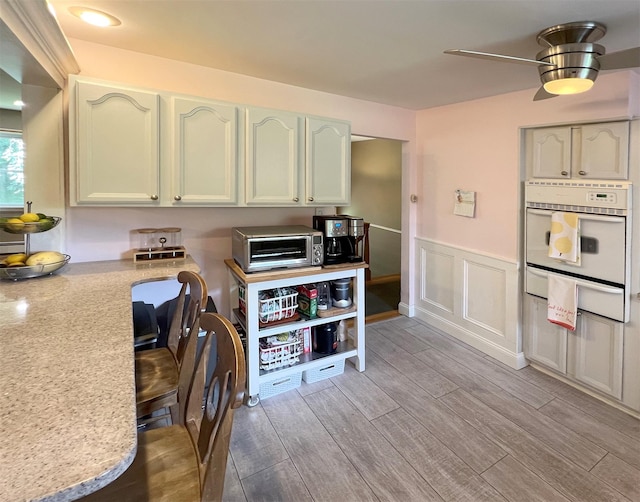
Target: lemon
x=15, y=258
x=29, y=217
x=15, y=224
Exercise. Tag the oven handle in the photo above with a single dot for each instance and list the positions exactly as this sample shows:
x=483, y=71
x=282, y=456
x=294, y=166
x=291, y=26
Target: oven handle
x=581, y=216
x=595, y=287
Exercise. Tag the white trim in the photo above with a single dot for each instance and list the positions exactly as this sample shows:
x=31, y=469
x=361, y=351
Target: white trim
x=452, y=296
x=39, y=32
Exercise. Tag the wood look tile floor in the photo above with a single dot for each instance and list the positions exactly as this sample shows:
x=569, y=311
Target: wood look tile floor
x=432, y=419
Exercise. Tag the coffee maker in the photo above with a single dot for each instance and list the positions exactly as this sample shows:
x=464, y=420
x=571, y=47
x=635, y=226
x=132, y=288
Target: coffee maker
x=343, y=238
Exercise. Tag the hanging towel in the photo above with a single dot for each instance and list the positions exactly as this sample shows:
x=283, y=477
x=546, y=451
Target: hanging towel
x=562, y=301
x=564, y=239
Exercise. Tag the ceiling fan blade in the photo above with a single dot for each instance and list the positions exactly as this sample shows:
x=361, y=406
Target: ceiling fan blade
x=628, y=58
x=495, y=57
x=542, y=94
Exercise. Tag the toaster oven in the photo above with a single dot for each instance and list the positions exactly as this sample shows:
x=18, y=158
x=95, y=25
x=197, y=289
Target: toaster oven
x=256, y=249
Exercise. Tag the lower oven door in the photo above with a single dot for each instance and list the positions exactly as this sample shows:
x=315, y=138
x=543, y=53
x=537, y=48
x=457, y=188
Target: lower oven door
x=601, y=299
x=603, y=243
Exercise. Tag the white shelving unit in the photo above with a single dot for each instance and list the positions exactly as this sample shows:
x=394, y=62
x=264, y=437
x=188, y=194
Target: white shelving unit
x=352, y=348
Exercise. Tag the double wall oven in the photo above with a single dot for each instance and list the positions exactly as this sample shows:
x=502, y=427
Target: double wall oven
x=604, y=212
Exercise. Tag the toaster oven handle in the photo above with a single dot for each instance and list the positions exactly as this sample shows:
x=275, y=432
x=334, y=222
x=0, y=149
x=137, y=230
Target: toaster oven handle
x=582, y=284
x=581, y=216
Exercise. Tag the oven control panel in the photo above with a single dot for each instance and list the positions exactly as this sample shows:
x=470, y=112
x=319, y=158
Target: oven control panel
x=609, y=195
x=602, y=197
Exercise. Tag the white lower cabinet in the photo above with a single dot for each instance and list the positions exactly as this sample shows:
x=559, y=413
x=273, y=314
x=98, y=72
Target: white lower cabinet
x=546, y=342
x=597, y=351
x=592, y=354
x=282, y=378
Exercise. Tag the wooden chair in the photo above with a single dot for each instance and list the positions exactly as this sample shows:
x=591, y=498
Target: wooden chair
x=163, y=374
x=187, y=463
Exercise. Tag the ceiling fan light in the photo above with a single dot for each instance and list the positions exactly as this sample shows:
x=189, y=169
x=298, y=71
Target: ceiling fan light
x=570, y=85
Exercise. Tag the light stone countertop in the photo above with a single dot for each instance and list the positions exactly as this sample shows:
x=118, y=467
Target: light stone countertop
x=67, y=387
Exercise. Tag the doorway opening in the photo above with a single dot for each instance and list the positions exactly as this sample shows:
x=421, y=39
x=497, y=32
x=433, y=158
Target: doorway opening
x=376, y=196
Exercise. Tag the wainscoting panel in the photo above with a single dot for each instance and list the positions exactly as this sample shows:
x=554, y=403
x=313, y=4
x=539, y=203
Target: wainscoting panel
x=471, y=296
x=484, y=310
x=439, y=267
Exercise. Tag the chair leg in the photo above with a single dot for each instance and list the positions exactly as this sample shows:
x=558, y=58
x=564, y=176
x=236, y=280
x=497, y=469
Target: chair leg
x=174, y=411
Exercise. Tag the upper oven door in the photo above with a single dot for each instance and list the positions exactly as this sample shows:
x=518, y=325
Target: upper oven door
x=603, y=245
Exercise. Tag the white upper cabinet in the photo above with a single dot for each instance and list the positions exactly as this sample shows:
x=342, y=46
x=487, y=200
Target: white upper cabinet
x=604, y=151
x=328, y=162
x=132, y=147
x=552, y=152
x=590, y=151
x=205, y=144
x=282, y=169
x=272, y=158
x=114, y=145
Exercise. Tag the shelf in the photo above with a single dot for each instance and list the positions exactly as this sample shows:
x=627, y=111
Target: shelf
x=311, y=360
x=302, y=322
x=353, y=348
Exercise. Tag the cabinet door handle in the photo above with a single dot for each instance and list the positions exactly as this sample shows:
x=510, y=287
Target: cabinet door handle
x=177, y=197
x=310, y=199
x=154, y=197
x=582, y=173
x=295, y=199
x=564, y=173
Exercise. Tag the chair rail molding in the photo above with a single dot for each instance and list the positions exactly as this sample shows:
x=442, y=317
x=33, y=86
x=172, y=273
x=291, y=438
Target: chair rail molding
x=471, y=296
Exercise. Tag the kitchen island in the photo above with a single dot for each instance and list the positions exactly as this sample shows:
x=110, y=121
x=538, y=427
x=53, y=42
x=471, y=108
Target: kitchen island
x=67, y=383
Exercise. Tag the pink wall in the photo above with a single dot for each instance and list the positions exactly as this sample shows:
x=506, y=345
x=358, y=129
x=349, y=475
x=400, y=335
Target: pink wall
x=476, y=146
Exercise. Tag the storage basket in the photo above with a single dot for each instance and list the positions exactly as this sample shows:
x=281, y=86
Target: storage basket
x=276, y=307
x=280, y=385
x=323, y=372
x=275, y=354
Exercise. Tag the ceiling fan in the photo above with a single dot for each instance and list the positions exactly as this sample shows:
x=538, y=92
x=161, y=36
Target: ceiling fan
x=570, y=62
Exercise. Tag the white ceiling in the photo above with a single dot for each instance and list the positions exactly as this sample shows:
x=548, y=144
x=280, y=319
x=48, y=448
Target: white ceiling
x=386, y=51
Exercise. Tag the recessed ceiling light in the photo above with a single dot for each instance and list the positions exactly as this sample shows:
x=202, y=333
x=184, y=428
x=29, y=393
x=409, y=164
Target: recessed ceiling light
x=94, y=17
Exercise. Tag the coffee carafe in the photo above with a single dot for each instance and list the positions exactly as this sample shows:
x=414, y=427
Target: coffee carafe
x=356, y=238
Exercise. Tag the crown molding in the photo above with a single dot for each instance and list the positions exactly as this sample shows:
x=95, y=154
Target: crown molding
x=39, y=35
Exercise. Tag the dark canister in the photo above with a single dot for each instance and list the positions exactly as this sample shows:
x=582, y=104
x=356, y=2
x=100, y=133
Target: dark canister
x=325, y=338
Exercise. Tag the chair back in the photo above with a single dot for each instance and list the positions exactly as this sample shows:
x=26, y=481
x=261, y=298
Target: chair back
x=183, y=334
x=211, y=429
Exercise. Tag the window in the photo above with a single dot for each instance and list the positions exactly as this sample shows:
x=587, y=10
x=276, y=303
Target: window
x=11, y=186
x=11, y=170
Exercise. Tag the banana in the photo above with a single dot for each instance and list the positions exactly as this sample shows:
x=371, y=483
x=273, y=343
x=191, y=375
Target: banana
x=44, y=258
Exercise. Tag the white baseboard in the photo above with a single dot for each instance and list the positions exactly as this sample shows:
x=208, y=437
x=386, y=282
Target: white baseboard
x=512, y=359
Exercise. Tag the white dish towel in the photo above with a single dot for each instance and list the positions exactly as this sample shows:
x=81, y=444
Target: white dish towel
x=564, y=239
x=562, y=301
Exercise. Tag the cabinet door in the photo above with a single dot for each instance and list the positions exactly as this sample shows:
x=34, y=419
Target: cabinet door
x=272, y=158
x=545, y=342
x=597, y=347
x=115, y=145
x=205, y=143
x=551, y=152
x=604, y=151
x=328, y=162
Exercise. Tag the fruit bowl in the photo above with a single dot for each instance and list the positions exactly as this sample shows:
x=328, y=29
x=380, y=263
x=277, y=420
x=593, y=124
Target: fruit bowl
x=28, y=272
x=32, y=227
